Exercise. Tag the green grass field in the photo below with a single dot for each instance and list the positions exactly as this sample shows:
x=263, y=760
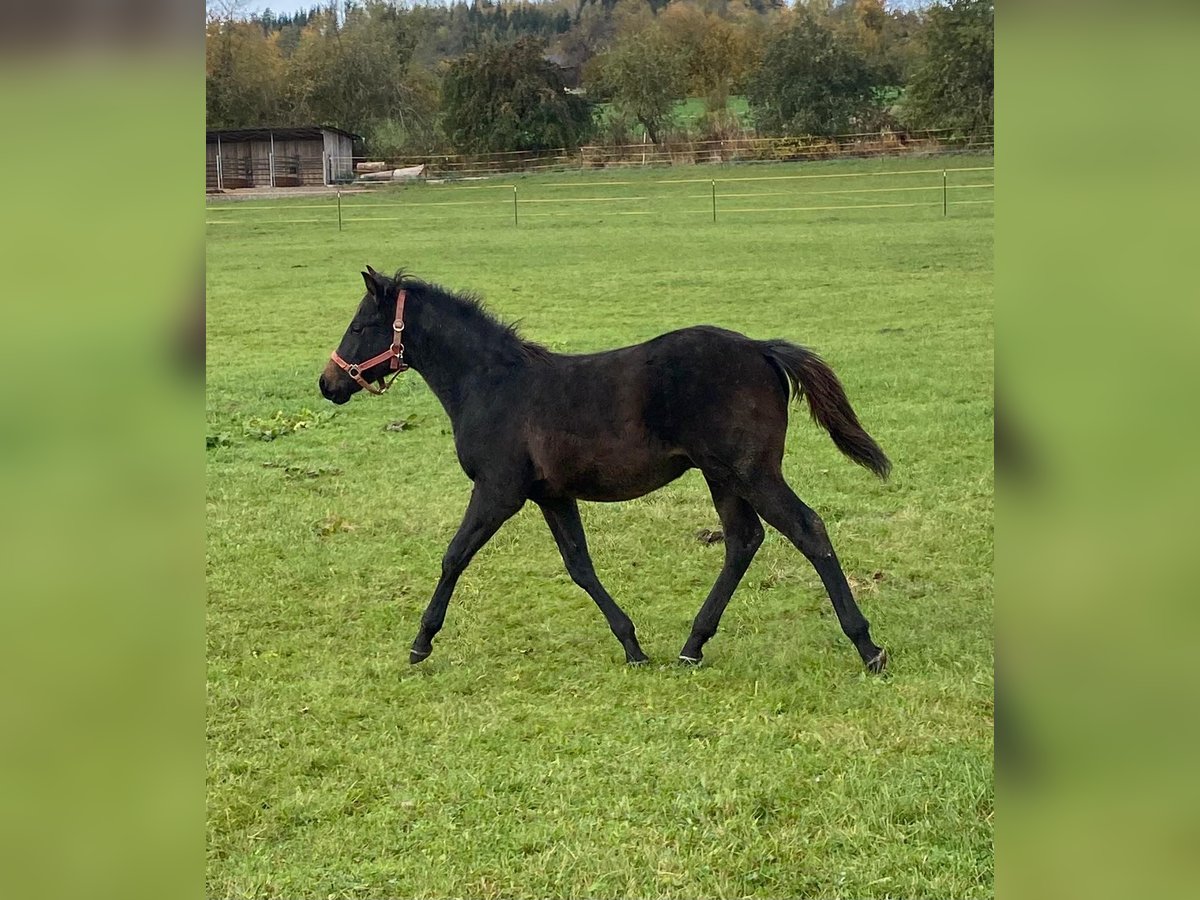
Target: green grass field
x=687, y=113
x=524, y=759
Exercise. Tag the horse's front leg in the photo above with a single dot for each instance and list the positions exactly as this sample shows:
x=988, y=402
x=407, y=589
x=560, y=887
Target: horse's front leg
x=486, y=512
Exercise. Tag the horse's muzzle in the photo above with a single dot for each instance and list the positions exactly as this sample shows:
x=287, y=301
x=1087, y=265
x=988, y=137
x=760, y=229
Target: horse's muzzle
x=333, y=392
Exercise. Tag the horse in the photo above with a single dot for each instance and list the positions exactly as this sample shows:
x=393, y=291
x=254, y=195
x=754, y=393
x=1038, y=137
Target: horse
x=533, y=425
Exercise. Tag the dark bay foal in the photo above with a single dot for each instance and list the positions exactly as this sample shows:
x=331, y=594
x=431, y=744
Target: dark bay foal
x=555, y=429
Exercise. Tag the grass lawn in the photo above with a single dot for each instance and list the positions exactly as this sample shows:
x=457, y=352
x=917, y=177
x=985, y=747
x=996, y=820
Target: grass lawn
x=686, y=113
x=524, y=759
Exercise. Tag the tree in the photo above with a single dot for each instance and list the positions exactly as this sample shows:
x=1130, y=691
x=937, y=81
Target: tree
x=865, y=23
x=593, y=30
x=511, y=98
x=643, y=74
x=812, y=82
x=357, y=73
x=954, y=86
x=903, y=30
x=715, y=54
x=244, y=75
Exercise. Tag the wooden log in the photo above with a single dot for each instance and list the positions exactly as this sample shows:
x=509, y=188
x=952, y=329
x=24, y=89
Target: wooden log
x=411, y=173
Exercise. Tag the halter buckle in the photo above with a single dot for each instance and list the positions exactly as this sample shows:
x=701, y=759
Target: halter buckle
x=353, y=371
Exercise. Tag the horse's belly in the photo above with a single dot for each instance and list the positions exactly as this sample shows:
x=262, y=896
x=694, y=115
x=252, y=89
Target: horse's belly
x=625, y=485
x=606, y=472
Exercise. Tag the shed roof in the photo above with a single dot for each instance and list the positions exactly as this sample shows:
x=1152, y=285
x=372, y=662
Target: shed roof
x=282, y=133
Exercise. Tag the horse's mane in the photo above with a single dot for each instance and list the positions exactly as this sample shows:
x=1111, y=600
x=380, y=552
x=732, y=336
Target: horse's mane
x=467, y=311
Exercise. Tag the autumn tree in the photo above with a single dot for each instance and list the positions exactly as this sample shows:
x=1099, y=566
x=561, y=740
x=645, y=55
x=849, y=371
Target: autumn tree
x=954, y=85
x=643, y=75
x=244, y=75
x=510, y=97
x=591, y=32
x=358, y=74
x=812, y=81
x=885, y=37
x=713, y=52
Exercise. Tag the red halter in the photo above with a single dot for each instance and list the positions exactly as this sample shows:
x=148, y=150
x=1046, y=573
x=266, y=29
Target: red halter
x=395, y=353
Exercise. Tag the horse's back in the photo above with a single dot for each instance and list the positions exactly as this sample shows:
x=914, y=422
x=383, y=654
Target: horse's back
x=621, y=423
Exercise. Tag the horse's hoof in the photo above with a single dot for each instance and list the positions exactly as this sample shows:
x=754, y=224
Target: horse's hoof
x=878, y=663
x=416, y=656
x=690, y=661
x=638, y=663
x=635, y=656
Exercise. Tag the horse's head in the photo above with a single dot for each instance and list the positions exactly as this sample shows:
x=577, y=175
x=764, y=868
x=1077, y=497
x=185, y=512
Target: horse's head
x=373, y=344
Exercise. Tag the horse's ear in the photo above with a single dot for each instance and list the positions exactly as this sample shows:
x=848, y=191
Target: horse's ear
x=376, y=284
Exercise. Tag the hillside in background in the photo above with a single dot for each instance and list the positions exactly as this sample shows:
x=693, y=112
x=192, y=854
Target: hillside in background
x=485, y=77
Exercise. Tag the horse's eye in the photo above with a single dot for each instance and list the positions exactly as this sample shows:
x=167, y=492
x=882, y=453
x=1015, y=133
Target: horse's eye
x=356, y=328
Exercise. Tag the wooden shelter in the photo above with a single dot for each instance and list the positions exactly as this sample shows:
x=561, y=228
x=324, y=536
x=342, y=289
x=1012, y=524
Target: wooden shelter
x=278, y=157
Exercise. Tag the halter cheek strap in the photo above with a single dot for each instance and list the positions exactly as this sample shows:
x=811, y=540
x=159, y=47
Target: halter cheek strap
x=395, y=353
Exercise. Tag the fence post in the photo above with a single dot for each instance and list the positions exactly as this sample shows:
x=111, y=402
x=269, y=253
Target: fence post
x=714, y=198
x=945, y=197
x=514, y=206
x=339, y=210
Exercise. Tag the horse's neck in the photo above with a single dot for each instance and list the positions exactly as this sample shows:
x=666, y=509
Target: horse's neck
x=457, y=362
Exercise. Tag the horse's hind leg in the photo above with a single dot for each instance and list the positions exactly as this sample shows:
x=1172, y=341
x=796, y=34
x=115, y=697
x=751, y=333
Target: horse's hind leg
x=782, y=509
x=743, y=535
x=563, y=518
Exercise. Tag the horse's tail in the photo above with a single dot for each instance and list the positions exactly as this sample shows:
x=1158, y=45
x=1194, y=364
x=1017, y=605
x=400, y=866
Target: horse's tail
x=811, y=377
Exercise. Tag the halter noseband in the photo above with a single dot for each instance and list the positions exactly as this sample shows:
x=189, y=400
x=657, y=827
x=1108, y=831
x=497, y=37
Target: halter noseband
x=395, y=353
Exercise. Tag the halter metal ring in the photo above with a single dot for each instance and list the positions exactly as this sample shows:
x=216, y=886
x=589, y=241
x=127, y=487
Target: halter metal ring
x=353, y=371
x=397, y=327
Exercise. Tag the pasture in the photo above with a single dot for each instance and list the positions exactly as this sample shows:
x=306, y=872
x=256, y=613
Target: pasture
x=524, y=759
x=687, y=113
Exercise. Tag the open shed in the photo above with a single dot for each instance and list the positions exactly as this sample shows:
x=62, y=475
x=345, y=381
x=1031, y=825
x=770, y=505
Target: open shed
x=278, y=157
